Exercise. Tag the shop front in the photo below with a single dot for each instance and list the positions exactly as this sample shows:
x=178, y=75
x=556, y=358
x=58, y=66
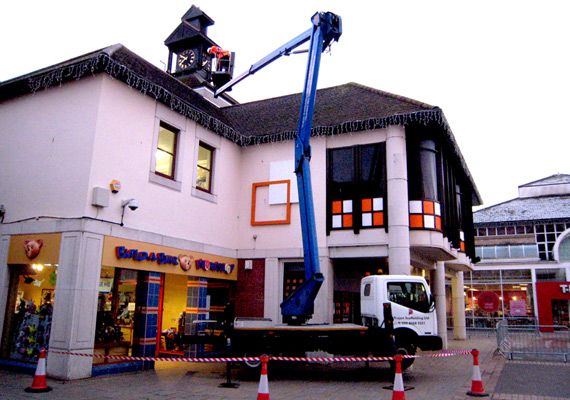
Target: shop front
x=147, y=299
x=553, y=303
x=494, y=295
x=151, y=297
x=32, y=267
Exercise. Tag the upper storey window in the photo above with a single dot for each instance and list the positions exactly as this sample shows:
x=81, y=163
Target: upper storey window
x=205, y=167
x=356, y=187
x=166, y=151
x=423, y=170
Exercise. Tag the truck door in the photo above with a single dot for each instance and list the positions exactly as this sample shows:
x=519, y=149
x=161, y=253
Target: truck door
x=411, y=306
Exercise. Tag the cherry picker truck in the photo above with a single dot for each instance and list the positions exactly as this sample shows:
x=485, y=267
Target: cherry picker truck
x=398, y=313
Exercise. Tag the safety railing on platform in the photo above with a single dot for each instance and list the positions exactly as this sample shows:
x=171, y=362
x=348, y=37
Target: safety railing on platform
x=533, y=342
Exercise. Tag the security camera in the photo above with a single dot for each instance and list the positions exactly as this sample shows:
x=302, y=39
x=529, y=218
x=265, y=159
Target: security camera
x=131, y=203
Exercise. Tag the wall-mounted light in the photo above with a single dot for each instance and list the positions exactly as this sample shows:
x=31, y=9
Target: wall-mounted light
x=132, y=204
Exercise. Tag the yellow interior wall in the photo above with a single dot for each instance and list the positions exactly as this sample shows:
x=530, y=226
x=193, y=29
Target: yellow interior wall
x=30, y=291
x=174, y=303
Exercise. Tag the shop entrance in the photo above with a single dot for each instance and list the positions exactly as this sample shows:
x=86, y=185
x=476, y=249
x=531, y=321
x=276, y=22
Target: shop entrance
x=115, y=313
x=346, y=307
x=172, y=315
x=29, y=311
x=189, y=306
x=560, y=312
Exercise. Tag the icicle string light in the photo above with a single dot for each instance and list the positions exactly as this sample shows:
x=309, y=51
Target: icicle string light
x=104, y=63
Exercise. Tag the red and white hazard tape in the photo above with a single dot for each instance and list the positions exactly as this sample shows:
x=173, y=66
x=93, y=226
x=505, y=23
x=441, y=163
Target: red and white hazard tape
x=448, y=353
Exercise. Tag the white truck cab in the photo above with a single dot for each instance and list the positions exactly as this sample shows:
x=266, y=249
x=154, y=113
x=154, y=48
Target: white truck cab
x=412, y=309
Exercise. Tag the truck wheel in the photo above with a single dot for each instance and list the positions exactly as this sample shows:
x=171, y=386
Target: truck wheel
x=407, y=350
x=404, y=347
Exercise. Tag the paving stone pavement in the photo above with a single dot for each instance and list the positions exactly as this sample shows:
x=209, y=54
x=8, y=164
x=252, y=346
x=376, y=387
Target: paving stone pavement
x=448, y=378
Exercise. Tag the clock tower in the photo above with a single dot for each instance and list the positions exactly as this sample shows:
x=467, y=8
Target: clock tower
x=188, y=45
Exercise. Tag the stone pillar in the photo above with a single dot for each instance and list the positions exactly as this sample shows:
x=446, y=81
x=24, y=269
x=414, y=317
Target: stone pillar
x=440, y=302
x=4, y=279
x=75, y=306
x=273, y=291
x=324, y=303
x=398, y=209
x=458, y=296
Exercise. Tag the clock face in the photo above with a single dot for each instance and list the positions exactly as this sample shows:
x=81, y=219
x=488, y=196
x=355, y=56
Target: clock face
x=206, y=62
x=186, y=59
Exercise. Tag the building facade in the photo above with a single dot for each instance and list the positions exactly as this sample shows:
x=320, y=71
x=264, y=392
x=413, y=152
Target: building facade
x=136, y=206
x=524, y=247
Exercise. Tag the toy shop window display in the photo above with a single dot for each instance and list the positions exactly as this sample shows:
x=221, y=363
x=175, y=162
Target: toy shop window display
x=29, y=316
x=115, y=312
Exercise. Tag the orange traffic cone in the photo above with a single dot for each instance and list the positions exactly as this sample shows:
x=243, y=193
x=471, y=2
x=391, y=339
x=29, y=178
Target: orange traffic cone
x=476, y=383
x=39, y=384
x=398, y=393
x=263, y=392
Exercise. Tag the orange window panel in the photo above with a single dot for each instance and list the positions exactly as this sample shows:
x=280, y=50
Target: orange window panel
x=347, y=221
x=429, y=207
x=416, y=221
x=366, y=205
x=378, y=219
x=438, y=223
x=337, y=207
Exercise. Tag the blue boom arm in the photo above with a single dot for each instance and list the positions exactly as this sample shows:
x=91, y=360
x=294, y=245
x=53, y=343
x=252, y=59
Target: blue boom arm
x=299, y=306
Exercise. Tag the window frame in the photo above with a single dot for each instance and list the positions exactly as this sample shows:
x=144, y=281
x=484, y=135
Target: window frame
x=358, y=189
x=212, y=150
x=174, y=154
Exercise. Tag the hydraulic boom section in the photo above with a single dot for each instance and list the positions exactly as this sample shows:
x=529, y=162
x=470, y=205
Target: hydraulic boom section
x=327, y=27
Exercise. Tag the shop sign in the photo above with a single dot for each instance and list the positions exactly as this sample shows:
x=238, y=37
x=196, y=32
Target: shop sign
x=160, y=258
x=565, y=288
x=130, y=254
x=41, y=248
x=214, y=266
x=488, y=302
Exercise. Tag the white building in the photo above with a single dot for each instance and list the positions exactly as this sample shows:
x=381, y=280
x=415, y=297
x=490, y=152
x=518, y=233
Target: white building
x=212, y=221
x=524, y=247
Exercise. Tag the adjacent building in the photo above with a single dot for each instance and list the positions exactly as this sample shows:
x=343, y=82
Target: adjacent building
x=136, y=205
x=524, y=247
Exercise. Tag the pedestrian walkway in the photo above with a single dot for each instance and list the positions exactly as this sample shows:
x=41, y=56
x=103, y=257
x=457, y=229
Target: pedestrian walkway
x=430, y=378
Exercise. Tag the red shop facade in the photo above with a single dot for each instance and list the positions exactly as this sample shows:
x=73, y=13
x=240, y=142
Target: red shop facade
x=553, y=300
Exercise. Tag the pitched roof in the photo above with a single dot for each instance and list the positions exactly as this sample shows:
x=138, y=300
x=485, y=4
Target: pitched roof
x=525, y=209
x=341, y=109
x=334, y=107
x=556, y=179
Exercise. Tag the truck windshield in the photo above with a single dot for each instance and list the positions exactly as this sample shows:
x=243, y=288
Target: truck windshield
x=409, y=294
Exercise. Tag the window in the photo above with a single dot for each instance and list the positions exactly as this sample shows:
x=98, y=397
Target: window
x=507, y=251
x=409, y=294
x=166, y=151
x=205, y=167
x=293, y=277
x=356, y=187
x=423, y=179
